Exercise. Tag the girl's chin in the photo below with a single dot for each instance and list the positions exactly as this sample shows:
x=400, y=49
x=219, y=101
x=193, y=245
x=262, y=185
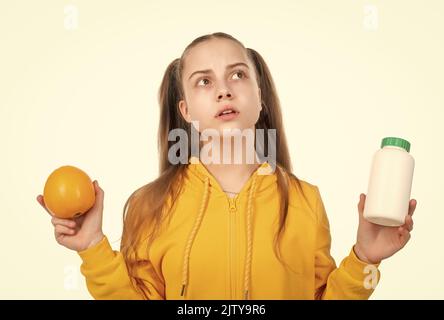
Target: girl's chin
x=229, y=128
x=232, y=129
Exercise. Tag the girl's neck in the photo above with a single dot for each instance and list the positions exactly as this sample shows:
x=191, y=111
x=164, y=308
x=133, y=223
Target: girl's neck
x=232, y=178
x=230, y=175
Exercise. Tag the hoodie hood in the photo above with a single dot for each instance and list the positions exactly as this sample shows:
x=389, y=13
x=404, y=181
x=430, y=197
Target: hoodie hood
x=199, y=178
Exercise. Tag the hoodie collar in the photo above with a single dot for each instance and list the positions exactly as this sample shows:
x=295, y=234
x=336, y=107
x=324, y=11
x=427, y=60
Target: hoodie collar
x=197, y=174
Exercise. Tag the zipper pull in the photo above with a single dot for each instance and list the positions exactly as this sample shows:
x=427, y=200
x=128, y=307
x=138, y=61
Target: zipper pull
x=232, y=204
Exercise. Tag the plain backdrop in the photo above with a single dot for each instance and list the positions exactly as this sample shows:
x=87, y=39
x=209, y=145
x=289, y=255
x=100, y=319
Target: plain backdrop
x=79, y=83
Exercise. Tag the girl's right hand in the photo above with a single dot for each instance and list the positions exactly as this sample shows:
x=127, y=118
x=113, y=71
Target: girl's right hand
x=83, y=232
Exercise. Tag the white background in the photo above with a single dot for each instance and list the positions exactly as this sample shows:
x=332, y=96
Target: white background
x=348, y=73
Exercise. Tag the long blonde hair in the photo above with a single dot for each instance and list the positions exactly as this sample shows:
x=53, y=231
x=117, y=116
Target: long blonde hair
x=144, y=211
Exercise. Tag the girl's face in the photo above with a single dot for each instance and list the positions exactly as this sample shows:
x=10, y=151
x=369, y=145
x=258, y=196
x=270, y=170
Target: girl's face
x=228, y=79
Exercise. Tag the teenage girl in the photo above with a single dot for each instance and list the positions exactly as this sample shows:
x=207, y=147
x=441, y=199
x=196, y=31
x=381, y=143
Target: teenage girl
x=224, y=230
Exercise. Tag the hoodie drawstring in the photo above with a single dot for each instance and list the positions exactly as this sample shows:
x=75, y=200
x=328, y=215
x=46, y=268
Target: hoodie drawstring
x=249, y=238
x=196, y=226
x=192, y=235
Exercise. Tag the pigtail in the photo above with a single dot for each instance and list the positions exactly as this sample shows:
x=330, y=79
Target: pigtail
x=271, y=118
x=170, y=93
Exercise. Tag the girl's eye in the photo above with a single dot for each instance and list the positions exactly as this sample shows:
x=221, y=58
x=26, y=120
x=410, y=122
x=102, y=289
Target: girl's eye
x=236, y=72
x=203, y=79
x=240, y=72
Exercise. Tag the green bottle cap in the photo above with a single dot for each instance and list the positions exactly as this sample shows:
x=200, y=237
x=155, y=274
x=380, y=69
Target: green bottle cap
x=398, y=142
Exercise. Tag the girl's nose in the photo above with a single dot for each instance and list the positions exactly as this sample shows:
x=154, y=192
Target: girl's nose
x=221, y=95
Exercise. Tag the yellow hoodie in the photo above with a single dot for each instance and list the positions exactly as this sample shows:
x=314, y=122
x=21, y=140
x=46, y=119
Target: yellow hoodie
x=216, y=247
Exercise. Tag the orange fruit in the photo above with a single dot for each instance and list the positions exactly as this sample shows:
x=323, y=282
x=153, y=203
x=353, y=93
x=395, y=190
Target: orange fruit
x=68, y=192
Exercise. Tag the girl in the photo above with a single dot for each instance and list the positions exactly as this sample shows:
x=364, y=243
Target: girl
x=224, y=230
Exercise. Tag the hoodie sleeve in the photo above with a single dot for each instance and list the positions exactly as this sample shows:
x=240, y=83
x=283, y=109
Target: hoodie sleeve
x=107, y=276
x=353, y=279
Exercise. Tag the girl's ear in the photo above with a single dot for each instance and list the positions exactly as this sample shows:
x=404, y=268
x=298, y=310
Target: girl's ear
x=184, y=111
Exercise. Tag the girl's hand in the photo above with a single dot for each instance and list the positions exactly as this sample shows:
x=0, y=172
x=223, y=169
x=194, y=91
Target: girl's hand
x=81, y=232
x=375, y=242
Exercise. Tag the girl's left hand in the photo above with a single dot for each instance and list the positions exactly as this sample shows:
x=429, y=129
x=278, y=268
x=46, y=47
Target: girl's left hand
x=375, y=242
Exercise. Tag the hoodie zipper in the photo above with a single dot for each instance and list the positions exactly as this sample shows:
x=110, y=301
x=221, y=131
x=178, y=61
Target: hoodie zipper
x=232, y=203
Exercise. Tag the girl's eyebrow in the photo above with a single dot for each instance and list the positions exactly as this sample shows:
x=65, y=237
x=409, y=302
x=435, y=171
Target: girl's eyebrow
x=228, y=67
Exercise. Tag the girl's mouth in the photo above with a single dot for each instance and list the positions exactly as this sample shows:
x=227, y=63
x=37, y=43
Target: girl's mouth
x=227, y=115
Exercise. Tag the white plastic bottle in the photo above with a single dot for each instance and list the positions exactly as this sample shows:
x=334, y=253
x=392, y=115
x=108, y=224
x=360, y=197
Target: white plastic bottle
x=390, y=183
